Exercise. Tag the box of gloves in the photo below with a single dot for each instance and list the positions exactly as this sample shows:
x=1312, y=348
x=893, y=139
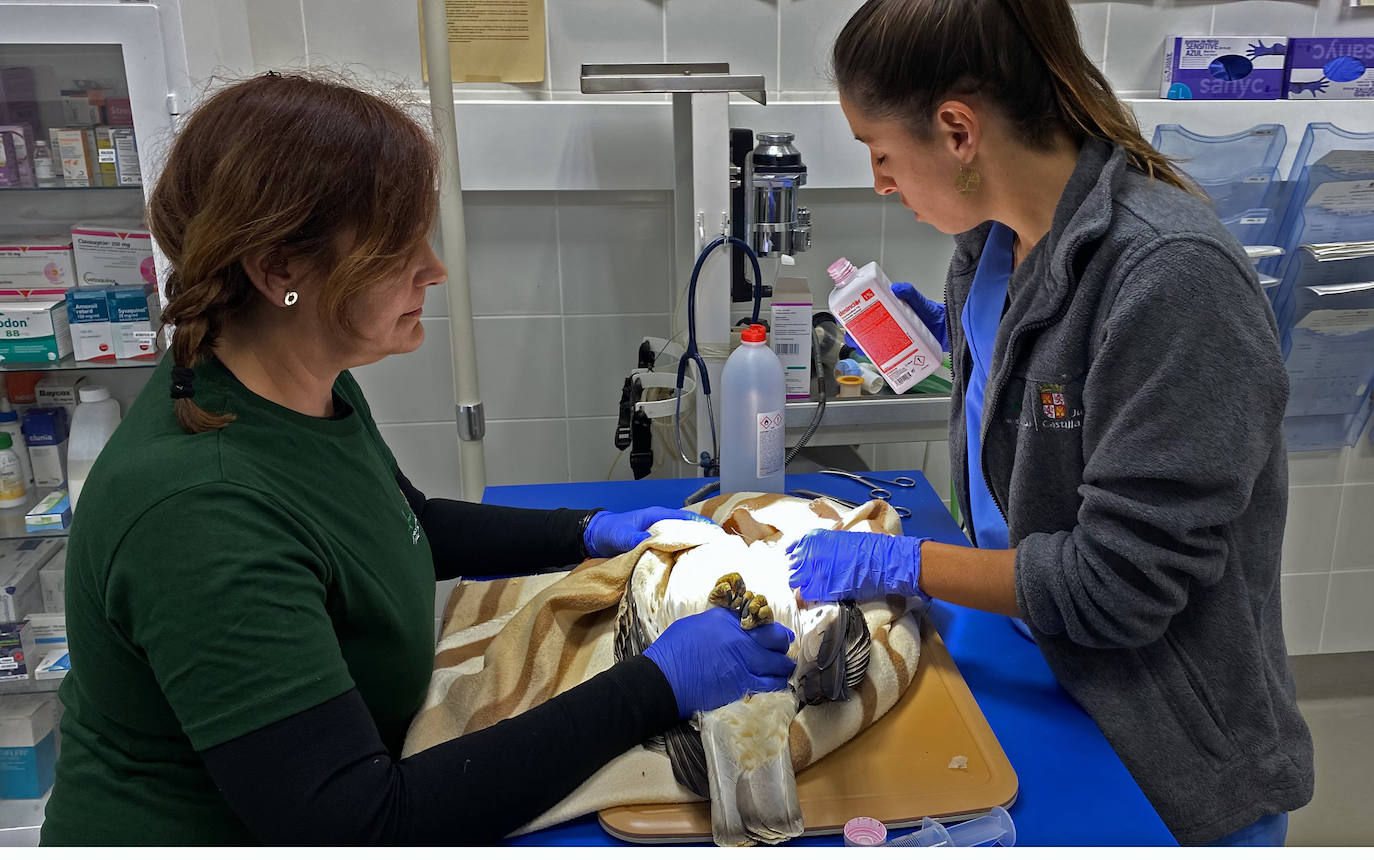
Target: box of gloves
x=1331, y=68
x=1224, y=67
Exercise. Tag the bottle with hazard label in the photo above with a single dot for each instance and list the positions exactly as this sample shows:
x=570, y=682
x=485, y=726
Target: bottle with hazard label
x=753, y=434
x=886, y=329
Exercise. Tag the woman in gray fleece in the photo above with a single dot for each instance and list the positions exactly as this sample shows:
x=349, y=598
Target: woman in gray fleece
x=1116, y=434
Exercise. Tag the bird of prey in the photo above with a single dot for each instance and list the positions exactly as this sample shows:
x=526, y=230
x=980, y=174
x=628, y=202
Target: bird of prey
x=738, y=755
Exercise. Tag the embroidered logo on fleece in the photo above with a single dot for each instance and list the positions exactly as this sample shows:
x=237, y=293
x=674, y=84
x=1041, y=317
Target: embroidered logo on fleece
x=410, y=519
x=1056, y=412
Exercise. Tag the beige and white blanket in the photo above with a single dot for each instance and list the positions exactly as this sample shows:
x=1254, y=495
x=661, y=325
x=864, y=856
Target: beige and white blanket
x=508, y=645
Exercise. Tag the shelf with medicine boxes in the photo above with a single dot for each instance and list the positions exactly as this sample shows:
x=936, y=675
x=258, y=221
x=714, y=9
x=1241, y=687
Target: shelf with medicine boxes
x=69, y=363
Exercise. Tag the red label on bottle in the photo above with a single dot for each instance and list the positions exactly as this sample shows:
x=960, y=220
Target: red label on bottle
x=881, y=336
x=868, y=295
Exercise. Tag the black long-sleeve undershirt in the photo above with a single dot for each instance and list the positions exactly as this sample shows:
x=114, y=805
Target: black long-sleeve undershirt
x=324, y=776
x=469, y=539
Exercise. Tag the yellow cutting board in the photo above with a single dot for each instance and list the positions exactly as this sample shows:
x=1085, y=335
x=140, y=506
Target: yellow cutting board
x=896, y=771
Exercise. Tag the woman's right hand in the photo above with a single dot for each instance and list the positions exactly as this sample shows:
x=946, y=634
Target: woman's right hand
x=931, y=312
x=710, y=661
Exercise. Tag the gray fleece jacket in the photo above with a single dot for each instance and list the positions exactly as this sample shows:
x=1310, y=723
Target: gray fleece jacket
x=1132, y=435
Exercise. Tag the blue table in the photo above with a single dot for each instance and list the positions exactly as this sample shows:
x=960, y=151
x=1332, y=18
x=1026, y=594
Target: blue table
x=1073, y=788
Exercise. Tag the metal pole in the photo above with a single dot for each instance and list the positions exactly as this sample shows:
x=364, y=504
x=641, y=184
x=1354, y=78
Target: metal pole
x=466, y=398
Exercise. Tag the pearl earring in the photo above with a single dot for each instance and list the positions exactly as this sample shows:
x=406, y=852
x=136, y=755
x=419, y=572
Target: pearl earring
x=291, y=297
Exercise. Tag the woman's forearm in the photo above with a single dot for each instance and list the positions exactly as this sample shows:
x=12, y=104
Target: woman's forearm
x=978, y=578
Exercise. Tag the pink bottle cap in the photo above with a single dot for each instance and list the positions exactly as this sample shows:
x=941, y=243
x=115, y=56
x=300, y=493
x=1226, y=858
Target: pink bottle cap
x=840, y=270
x=864, y=833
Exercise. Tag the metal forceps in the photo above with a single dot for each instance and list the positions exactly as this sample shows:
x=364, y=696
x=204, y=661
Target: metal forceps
x=875, y=491
x=901, y=512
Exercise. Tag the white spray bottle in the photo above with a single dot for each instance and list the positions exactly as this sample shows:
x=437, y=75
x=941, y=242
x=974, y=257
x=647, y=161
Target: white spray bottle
x=752, y=401
x=889, y=332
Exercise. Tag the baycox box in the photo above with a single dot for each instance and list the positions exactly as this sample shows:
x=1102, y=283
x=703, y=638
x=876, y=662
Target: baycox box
x=37, y=267
x=111, y=254
x=1223, y=67
x=34, y=331
x=1331, y=68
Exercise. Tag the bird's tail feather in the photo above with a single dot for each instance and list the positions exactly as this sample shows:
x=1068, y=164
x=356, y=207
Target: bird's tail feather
x=749, y=764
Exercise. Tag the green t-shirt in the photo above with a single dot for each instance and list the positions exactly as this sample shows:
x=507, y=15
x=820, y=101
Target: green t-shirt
x=218, y=583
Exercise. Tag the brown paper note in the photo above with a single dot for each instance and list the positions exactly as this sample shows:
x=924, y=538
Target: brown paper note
x=493, y=40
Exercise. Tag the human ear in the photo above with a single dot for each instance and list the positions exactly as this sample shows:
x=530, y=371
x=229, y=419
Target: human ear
x=270, y=273
x=959, y=130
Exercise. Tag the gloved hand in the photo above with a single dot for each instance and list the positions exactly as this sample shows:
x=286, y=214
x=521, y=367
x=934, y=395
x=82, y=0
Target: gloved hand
x=611, y=534
x=710, y=661
x=931, y=312
x=832, y=565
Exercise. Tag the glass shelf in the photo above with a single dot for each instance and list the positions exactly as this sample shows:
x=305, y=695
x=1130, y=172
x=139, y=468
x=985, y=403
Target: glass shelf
x=60, y=185
x=70, y=363
x=12, y=519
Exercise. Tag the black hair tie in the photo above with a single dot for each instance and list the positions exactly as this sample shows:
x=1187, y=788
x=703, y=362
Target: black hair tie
x=183, y=382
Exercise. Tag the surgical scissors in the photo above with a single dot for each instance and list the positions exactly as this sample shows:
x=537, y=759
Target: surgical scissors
x=903, y=513
x=874, y=491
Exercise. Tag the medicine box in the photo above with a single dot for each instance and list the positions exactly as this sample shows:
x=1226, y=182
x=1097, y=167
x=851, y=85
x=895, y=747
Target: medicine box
x=28, y=746
x=45, y=433
x=54, y=666
x=36, y=267
x=135, y=317
x=113, y=254
x=76, y=148
x=15, y=647
x=1331, y=68
x=18, y=97
x=20, y=589
x=49, y=392
x=791, y=335
x=16, y=157
x=49, y=633
x=1224, y=67
x=52, y=579
x=88, y=314
x=127, y=172
x=34, y=331
x=52, y=514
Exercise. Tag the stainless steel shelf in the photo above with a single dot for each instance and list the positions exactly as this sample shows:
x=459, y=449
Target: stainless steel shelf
x=877, y=418
x=70, y=363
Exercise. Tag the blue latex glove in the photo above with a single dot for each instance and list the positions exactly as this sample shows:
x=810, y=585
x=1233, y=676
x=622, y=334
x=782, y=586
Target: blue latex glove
x=931, y=312
x=831, y=565
x=710, y=661
x=610, y=534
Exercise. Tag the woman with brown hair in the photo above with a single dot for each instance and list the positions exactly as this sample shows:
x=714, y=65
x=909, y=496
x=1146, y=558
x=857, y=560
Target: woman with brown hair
x=250, y=581
x=1116, y=433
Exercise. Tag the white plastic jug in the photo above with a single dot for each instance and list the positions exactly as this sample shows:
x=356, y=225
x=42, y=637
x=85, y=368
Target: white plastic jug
x=93, y=423
x=753, y=443
x=885, y=327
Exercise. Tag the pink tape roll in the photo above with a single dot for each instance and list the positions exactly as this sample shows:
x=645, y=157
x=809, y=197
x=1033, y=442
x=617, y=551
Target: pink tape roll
x=864, y=833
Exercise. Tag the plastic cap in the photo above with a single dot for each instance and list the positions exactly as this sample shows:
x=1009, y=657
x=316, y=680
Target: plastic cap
x=95, y=394
x=754, y=334
x=7, y=416
x=841, y=270
x=6, y=441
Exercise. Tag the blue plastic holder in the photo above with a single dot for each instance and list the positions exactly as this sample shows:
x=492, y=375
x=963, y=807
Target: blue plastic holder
x=1324, y=302
x=1239, y=172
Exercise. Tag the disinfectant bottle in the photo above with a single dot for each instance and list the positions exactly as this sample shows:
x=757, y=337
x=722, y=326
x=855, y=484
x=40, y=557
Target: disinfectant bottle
x=93, y=424
x=884, y=326
x=14, y=492
x=752, y=397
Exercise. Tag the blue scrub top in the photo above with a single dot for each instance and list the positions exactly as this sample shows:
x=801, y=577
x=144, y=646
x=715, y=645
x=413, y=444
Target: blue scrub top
x=981, y=318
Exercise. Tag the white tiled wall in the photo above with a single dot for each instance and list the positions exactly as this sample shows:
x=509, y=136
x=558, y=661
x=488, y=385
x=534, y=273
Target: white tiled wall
x=564, y=284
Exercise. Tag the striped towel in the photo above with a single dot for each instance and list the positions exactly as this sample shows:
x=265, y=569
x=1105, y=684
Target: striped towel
x=508, y=645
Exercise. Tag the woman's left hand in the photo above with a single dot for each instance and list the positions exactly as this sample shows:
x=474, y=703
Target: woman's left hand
x=611, y=534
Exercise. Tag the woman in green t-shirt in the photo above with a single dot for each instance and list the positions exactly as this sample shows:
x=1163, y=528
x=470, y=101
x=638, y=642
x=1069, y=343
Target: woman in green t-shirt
x=250, y=584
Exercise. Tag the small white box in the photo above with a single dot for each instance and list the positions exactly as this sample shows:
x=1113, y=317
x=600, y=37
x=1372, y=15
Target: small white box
x=49, y=632
x=36, y=267
x=58, y=392
x=54, y=666
x=113, y=254
x=76, y=148
x=791, y=335
x=20, y=590
x=52, y=581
